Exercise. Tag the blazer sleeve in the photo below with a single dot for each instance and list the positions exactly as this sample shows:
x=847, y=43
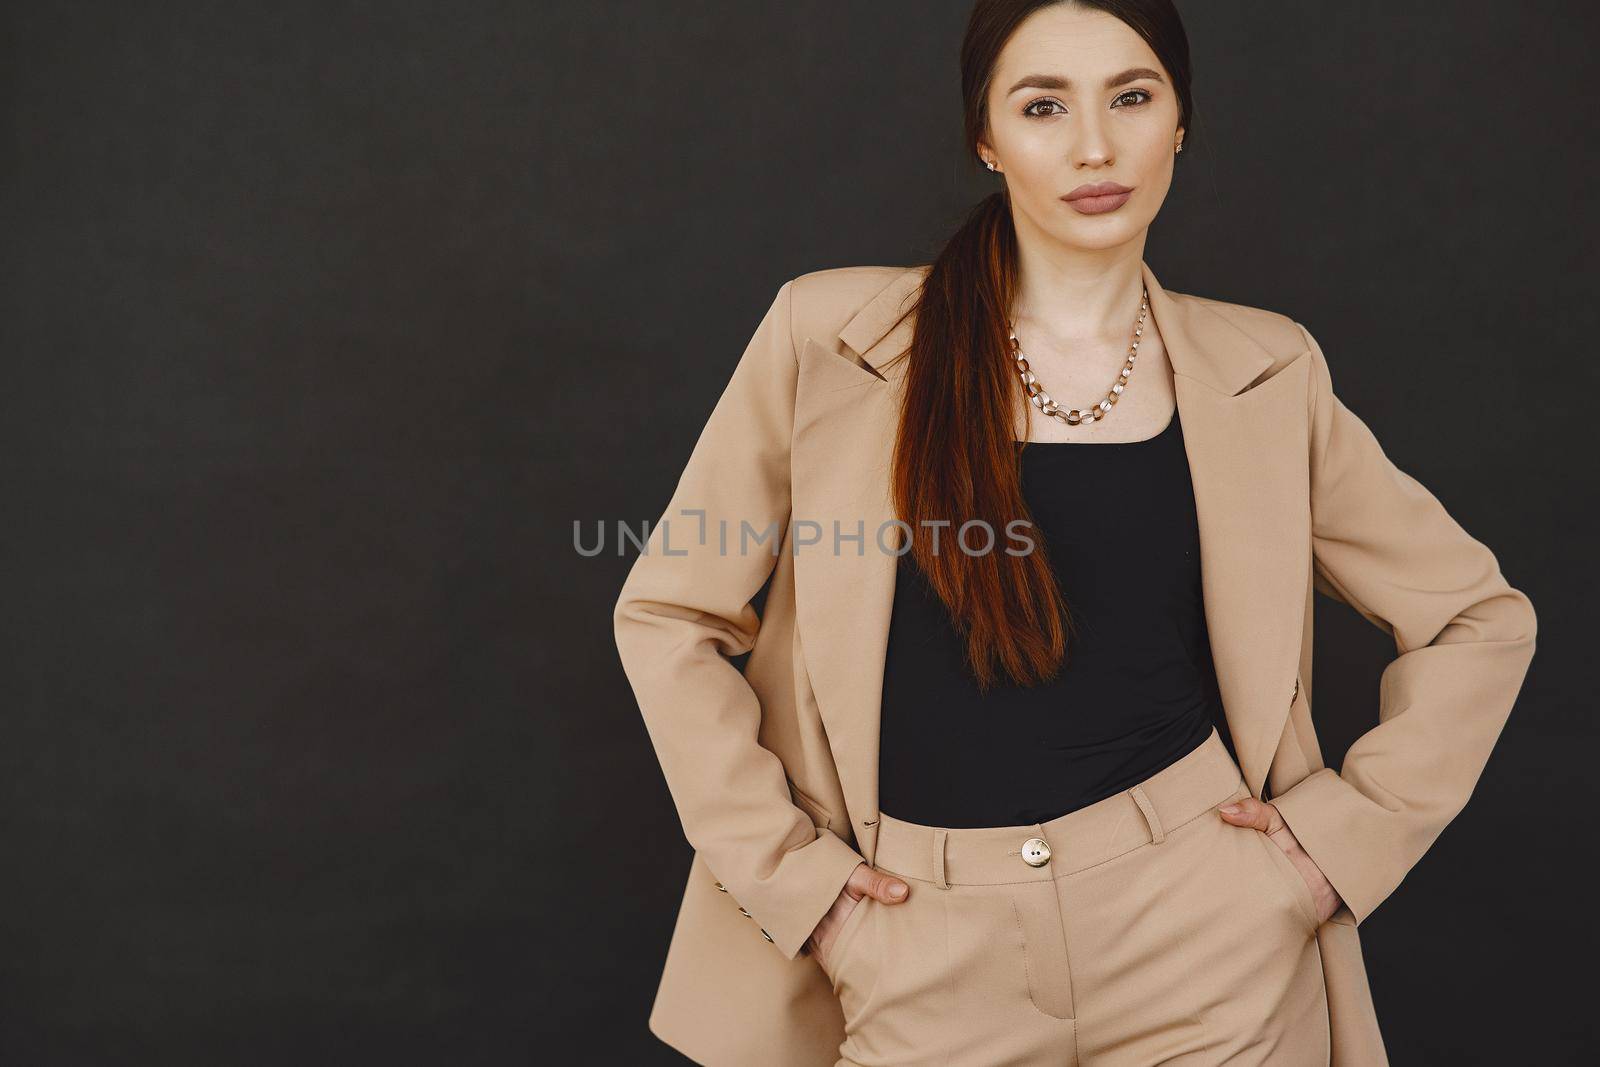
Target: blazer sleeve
x=1383, y=544
x=685, y=607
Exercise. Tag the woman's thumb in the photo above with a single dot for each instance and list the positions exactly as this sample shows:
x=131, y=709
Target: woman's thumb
x=887, y=888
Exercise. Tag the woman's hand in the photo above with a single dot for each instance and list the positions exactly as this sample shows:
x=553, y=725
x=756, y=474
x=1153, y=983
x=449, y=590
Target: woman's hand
x=864, y=881
x=1261, y=815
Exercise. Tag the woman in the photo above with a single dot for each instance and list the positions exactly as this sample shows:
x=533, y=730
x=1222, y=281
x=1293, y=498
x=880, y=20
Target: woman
x=1010, y=792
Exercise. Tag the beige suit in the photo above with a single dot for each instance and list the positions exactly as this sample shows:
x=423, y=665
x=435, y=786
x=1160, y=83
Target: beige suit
x=774, y=771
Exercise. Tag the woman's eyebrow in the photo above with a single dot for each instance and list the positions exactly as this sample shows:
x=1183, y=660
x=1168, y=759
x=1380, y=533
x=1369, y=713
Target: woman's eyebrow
x=1056, y=81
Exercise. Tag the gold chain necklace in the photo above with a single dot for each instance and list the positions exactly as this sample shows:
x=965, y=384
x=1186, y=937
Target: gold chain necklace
x=1041, y=399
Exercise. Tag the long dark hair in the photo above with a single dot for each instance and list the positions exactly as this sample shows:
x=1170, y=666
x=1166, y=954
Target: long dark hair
x=955, y=455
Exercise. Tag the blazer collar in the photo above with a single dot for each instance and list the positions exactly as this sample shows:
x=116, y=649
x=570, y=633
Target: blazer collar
x=1200, y=343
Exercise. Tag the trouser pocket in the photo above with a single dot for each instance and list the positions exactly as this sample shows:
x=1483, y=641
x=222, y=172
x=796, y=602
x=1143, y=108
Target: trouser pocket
x=1285, y=871
x=837, y=958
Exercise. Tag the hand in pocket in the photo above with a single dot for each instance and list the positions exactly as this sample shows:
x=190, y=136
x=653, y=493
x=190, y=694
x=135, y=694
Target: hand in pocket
x=1261, y=815
x=864, y=881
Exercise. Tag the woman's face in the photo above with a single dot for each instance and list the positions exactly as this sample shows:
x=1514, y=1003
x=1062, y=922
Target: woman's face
x=1078, y=99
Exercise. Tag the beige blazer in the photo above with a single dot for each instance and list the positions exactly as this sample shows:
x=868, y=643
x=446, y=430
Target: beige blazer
x=773, y=771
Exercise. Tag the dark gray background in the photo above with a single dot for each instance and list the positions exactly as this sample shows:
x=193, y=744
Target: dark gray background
x=323, y=322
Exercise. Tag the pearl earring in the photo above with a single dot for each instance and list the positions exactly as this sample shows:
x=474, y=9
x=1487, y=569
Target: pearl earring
x=990, y=163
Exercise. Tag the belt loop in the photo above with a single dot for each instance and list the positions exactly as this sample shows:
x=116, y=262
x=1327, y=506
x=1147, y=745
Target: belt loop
x=1157, y=834
x=938, y=858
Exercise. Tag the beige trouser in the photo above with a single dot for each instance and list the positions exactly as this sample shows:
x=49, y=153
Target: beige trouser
x=1142, y=929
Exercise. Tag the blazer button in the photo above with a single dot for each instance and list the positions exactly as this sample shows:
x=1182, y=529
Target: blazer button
x=767, y=935
x=1036, y=852
x=746, y=914
x=720, y=887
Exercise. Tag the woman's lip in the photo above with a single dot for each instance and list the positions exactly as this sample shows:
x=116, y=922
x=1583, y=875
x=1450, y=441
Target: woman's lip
x=1099, y=205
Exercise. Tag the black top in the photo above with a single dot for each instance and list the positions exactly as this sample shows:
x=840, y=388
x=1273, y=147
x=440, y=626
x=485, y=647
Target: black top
x=1138, y=687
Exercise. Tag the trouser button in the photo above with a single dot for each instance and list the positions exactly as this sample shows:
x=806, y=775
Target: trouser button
x=1036, y=852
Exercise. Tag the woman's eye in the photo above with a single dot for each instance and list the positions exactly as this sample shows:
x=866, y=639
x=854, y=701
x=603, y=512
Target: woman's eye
x=1131, y=98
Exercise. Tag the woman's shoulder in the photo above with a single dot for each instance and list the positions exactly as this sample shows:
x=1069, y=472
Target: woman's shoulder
x=855, y=282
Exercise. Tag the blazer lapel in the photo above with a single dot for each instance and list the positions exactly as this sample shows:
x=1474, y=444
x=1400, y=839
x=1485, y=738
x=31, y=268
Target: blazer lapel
x=1247, y=460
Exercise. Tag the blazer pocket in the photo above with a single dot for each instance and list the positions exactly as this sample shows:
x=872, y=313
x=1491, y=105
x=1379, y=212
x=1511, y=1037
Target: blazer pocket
x=820, y=815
